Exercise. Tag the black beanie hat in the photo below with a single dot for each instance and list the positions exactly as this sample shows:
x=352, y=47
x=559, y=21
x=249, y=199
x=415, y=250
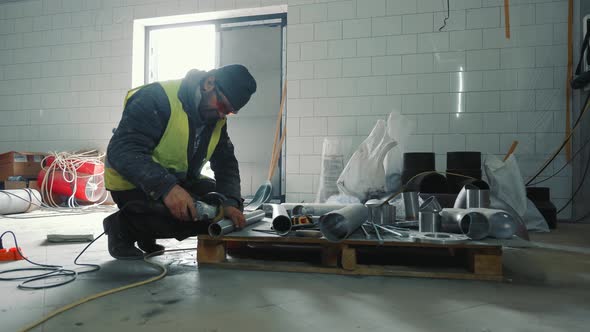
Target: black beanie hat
x=236, y=83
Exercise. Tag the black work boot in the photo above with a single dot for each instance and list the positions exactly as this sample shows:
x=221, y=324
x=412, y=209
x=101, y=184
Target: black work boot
x=120, y=246
x=150, y=246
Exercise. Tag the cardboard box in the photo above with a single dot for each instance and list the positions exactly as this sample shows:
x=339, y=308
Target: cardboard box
x=21, y=184
x=25, y=164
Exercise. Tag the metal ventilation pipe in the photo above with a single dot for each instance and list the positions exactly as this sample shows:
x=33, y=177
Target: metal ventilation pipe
x=314, y=209
x=226, y=226
x=338, y=225
x=281, y=222
x=502, y=224
x=471, y=223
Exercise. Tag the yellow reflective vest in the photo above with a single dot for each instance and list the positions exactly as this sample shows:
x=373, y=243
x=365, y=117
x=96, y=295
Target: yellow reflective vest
x=171, y=151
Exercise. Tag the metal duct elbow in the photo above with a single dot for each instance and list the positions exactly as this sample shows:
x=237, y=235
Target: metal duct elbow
x=471, y=223
x=502, y=223
x=226, y=226
x=340, y=224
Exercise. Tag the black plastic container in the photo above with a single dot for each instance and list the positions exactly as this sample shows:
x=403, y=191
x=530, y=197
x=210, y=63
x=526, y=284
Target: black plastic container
x=541, y=197
x=463, y=160
x=419, y=161
x=428, y=183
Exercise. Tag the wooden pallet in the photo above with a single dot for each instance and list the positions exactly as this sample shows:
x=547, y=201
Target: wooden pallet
x=357, y=256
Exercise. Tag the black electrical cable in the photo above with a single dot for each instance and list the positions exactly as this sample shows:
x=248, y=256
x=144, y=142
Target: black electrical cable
x=556, y=153
x=447, y=17
x=564, y=166
x=579, y=187
x=49, y=271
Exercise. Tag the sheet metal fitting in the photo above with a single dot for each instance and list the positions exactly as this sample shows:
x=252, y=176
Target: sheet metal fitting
x=338, y=225
x=430, y=221
x=281, y=222
x=502, y=224
x=477, y=198
x=226, y=226
x=431, y=204
x=471, y=223
x=411, y=205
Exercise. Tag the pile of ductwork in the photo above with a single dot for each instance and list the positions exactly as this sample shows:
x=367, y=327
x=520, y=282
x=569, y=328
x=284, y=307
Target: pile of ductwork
x=473, y=217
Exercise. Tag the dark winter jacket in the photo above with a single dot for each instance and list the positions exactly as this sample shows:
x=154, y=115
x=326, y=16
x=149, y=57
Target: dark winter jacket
x=142, y=125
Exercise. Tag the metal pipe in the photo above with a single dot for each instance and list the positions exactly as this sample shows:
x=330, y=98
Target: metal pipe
x=502, y=224
x=521, y=230
x=225, y=226
x=471, y=223
x=429, y=221
x=19, y=200
x=338, y=225
x=281, y=222
x=431, y=204
x=314, y=209
x=477, y=198
x=411, y=205
x=498, y=204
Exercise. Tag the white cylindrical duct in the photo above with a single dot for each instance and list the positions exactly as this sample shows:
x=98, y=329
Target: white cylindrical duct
x=19, y=200
x=281, y=222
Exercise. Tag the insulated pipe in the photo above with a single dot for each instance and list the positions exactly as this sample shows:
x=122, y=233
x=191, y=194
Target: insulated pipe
x=338, y=225
x=502, y=224
x=19, y=200
x=226, y=226
x=471, y=223
x=314, y=209
x=281, y=222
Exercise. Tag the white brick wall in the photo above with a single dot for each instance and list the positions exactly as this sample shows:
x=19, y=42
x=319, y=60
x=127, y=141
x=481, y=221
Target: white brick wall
x=66, y=65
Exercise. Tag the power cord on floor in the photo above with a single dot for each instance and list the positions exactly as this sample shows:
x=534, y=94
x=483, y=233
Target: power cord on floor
x=87, y=299
x=47, y=271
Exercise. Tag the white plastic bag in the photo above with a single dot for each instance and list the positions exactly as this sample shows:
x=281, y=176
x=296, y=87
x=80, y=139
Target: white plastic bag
x=506, y=182
x=398, y=128
x=364, y=173
x=331, y=167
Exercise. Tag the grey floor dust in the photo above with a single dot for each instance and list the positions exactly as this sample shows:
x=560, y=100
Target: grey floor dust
x=548, y=291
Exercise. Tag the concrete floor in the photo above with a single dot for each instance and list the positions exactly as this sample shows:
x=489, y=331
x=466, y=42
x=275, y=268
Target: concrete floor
x=548, y=291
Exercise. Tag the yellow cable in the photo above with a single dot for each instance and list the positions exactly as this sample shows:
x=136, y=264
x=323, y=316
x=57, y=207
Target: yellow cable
x=111, y=291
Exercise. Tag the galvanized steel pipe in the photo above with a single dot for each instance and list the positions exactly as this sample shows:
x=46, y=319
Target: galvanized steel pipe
x=471, y=223
x=340, y=224
x=502, y=223
x=281, y=222
x=314, y=209
x=226, y=226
